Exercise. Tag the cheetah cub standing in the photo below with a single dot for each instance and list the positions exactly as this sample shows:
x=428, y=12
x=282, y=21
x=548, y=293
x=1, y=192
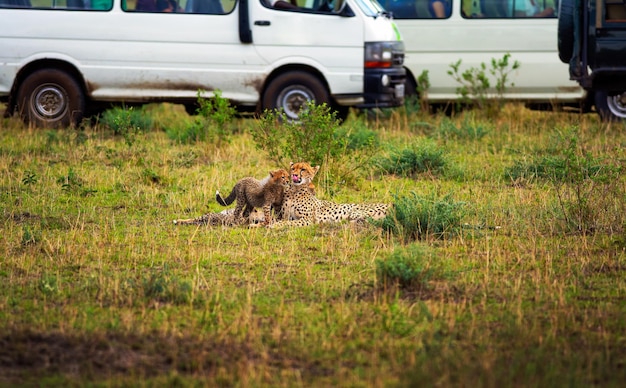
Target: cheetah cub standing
x=251, y=193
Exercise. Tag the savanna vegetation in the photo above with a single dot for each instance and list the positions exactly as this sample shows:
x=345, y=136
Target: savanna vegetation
x=502, y=264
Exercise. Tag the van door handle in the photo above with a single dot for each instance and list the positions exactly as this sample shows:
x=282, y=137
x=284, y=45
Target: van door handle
x=262, y=23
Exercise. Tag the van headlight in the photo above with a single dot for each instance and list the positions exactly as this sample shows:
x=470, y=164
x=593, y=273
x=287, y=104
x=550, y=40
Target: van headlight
x=383, y=54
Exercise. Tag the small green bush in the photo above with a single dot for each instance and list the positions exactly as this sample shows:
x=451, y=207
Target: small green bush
x=123, y=119
x=475, y=86
x=356, y=136
x=406, y=267
x=127, y=122
x=584, y=185
x=30, y=178
x=213, y=123
x=71, y=181
x=415, y=218
x=468, y=130
x=423, y=157
x=564, y=161
x=311, y=139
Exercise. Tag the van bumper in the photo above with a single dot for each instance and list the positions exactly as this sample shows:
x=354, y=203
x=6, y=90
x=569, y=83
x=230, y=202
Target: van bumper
x=384, y=88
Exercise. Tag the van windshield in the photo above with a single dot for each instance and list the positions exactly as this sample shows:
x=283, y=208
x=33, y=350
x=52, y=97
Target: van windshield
x=370, y=7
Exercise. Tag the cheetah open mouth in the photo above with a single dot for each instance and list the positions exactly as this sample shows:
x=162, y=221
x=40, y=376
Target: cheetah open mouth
x=296, y=179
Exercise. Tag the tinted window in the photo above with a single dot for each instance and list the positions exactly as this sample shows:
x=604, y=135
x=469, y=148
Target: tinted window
x=507, y=9
x=418, y=9
x=483, y=9
x=215, y=7
x=98, y=5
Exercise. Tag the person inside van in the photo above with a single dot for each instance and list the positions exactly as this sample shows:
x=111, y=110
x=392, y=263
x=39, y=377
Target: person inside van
x=157, y=6
x=204, y=6
x=439, y=8
x=533, y=8
x=280, y=4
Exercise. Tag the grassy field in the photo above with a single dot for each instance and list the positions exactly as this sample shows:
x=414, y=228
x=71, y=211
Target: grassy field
x=528, y=288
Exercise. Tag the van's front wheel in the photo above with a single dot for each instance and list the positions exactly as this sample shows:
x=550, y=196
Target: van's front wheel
x=611, y=106
x=289, y=92
x=50, y=98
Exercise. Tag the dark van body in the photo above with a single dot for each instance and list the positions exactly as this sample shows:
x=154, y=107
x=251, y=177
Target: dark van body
x=592, y=39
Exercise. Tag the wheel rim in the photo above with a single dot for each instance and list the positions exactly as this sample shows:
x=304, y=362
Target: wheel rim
x=49, y=102
x=293, y=99
x=617, y=105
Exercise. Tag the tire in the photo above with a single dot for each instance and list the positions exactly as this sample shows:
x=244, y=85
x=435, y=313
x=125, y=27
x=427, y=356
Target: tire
x=342, y=113
x=51, y=98
x=290, y=91
x=610, y=107
x=191, y=109
x=566, y=30
x=410, y=87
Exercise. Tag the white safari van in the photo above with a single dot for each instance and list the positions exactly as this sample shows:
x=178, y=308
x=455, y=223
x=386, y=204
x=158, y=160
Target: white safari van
x=438, y=33
x=62, y=59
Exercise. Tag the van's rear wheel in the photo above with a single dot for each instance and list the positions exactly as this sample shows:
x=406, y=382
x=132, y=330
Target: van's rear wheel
x=289, y=92
x=50, y=98
x=611, y=106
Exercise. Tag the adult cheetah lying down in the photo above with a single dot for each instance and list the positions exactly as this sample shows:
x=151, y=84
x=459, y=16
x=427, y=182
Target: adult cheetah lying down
x=301, y=207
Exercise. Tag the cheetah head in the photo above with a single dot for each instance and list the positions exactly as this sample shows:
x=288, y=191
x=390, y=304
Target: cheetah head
x=280, y=177
x=302, y=173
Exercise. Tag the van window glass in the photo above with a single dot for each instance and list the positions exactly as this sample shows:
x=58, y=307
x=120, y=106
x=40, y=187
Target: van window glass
x=370, y=7
x=326, y=6
x=97, y=5
x=214, y=7
x=507, y=9
x=615, y=11
x=418, y=9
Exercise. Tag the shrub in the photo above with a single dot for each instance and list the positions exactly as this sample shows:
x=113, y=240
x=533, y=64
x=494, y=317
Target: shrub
x=212, y=124
x=424, y=157
x=406, y=267
x=310, y=139
x=356, y=136
x=71, y=181
x=468, y=131
x=584, y=185
x=475, y=83
x=127, y=122
x=562, y=162
x=414, y=217
x=30, y=178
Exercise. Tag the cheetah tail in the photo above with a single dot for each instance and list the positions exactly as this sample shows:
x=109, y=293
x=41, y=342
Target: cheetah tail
x=192, y=221
x=225, y=201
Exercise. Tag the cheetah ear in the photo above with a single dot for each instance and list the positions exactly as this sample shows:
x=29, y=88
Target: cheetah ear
x=316, y=169
x=290, y=164
x=272, y=174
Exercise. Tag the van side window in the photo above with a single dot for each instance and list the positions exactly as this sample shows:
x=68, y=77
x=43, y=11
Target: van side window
x=418, y=9
x=285, y=4
x=14, y=3
x=98, y=5
x=325, y=6
x=615, y=11
x=507, y=9
x=211, y=7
